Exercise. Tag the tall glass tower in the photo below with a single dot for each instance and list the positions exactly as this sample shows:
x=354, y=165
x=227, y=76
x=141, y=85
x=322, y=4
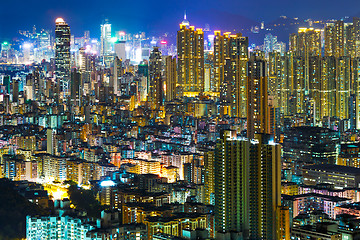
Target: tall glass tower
x=106, y=38
x=62, y=55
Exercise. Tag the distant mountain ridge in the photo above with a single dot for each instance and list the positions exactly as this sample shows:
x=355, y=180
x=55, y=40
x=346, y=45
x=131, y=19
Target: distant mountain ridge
x=218, y=20
x=222, y=20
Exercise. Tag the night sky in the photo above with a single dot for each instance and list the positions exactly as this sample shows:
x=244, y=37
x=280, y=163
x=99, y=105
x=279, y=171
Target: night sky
x=132, y=15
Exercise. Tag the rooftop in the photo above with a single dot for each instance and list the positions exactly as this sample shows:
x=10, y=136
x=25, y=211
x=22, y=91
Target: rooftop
x=334, y=168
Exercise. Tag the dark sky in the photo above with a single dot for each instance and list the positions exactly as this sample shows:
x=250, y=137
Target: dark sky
x=141, y=15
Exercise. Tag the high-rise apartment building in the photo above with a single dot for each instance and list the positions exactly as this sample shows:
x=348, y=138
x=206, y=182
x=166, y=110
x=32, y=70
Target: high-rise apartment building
x=329, y=40
x=290, y=76
x=310, y=41
x=210, y=83
x=118, y=72
x=319, y=86
x=356, y=35
x=62, y=55
x=231, y=184
x=284, y=223
x=209, y=177
x=64, y=227
x=339, y=38
x=303, y=72
x=170, y=78
x=264, y=187
x=293, y=42
x=50, y=141
x=315, y=85
x=343, y=85
x=356, y=90
x=273, y=73
x=328, y=87
x=307, y=42
x=335, y=39
x=247, y=187
x=155, y=96
x=298, y=77
x=190, y=52
x=76, y=88
x=230, y=59
x=350, y=40
x=280, y=83
x=257, y=96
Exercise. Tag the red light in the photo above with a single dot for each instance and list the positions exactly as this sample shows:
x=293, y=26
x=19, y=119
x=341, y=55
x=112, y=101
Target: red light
x=163, y=42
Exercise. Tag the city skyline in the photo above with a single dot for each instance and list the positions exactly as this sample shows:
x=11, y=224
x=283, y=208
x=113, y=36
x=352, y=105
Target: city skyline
x=141, y=17
x=232, y=130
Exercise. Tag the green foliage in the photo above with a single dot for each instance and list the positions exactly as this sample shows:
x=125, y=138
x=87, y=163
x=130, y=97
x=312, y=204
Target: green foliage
x=13, y=211
x=85, y=200
x=70, y=182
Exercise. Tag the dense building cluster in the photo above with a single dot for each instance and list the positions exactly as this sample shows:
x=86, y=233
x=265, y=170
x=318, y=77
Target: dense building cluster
x=131, y=137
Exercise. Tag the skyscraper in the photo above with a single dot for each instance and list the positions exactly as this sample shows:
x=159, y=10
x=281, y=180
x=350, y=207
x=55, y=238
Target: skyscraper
x=170, y=77
x=230, y=58
x=298, y=79
x=209, y=177
x=309, y=42
x=293, y=42
x=82, y=63
x=328, y=87
x=339, y=38
x=308, y=46
x=269, y=43
x=284, y=223
x=334, y=39
x=105, y=38
x=117, y=74
x=356, y=70
x=155, y=96
x=209, y=79
x=342, y=87
x=350, y=43
x=247, y=187
x=76, y=88
x=120, y=51
x=281, y=81
x=257, y=96
x=273, y=71
x=329, y=40
x=190, y=51
x=315, y=84
x=264, y=187
x=231, y=185
x=50, y=141
x=62, y=55
x=356, y=34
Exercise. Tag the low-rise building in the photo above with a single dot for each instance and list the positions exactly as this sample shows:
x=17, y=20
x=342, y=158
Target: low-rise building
x=339, y=176
x=306, y=203
x=55, y=227
x=175, y=224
